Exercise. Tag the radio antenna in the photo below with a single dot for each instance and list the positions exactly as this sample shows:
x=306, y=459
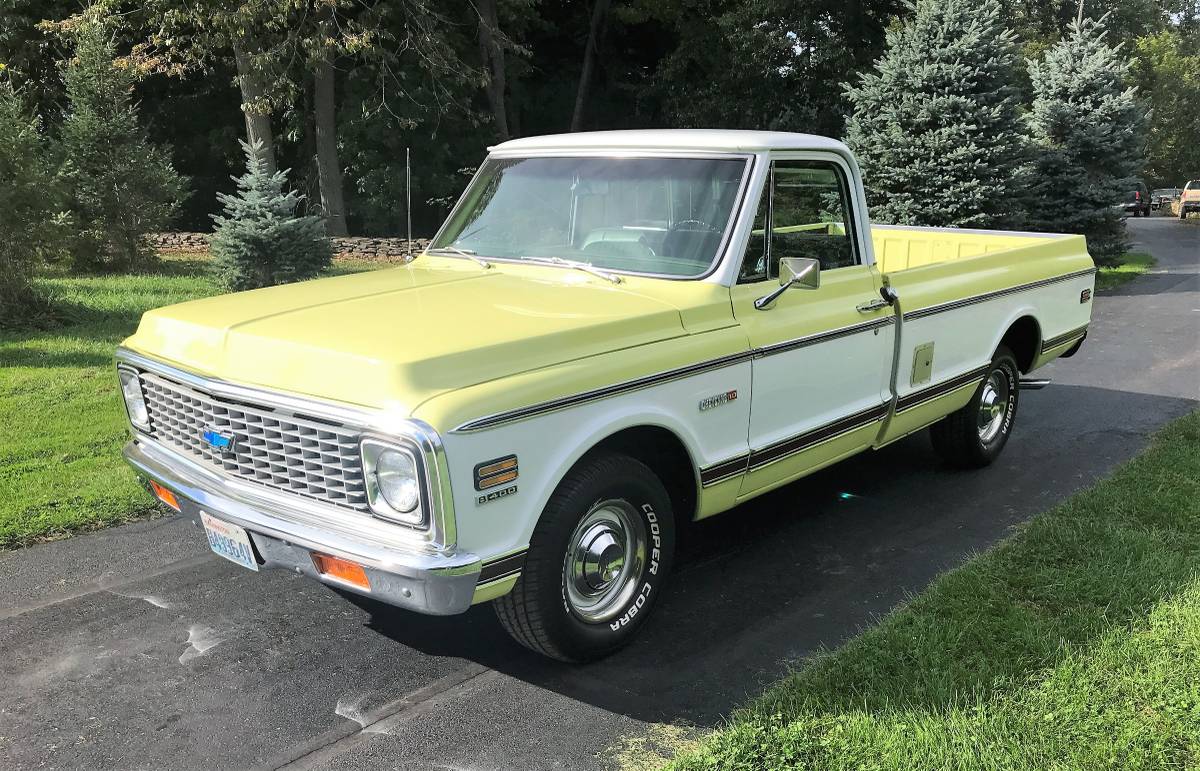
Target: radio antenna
x=408, y=196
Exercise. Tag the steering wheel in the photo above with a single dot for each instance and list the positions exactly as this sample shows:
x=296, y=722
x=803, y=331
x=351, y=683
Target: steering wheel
x=695, y=225
x=683, y=233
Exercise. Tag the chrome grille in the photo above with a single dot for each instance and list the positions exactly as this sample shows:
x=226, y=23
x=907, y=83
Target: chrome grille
x=304, y=456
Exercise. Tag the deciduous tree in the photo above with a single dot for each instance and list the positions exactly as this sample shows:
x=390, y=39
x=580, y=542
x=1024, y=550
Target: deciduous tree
x=282, y=45
x=595, y=30
x=1168, y=74
x=760, y=64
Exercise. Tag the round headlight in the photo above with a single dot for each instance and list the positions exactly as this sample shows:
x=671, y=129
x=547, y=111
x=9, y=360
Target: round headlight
x=131, y=390
x=396, y=474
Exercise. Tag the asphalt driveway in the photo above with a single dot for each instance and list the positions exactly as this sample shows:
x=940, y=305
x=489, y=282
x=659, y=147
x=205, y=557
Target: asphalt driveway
x=136, y=648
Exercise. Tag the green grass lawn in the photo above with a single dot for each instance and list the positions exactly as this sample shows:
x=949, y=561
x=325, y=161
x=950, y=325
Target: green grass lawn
x=1132, y=265
x=62, y=424
x=1073, y=645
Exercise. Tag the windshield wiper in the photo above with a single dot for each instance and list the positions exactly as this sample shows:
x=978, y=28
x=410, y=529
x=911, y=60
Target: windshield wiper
x=463, y=253
x=586, y=267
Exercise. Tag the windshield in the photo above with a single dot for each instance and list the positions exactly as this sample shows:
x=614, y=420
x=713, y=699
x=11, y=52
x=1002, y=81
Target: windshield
x=642, y=215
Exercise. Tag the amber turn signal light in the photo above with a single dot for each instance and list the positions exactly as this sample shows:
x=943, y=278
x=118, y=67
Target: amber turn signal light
x=165, y=495
x=343, y=570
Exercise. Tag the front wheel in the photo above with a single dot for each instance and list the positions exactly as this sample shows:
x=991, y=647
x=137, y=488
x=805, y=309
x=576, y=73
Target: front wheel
x=597, y=561
x=974, y=436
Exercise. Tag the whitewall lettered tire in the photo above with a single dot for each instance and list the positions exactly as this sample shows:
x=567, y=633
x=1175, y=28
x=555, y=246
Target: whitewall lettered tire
x=974, y=436
x=597, y=561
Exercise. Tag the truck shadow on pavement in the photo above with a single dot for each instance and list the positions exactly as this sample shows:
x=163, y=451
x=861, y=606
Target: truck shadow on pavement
x=808, y=566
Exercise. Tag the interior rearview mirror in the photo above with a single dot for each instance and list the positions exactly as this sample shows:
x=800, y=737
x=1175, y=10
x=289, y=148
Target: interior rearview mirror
x=800, y=272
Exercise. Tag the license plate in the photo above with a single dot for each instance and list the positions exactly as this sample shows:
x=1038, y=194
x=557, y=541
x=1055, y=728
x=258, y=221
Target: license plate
x=229, y=541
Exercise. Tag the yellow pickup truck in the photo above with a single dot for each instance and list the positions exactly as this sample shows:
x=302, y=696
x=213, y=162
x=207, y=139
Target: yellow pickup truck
x=611, y=334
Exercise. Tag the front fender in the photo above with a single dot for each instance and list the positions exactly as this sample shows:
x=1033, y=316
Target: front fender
x=548, y=445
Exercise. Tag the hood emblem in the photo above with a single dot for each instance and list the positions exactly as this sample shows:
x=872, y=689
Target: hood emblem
x=220, y=442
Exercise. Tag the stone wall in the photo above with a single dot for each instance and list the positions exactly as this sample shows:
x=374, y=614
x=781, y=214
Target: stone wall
x=350, y=248
x=179, y=242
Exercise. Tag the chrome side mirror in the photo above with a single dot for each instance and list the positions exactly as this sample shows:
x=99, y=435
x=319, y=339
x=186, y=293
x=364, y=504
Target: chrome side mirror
x=800, y=272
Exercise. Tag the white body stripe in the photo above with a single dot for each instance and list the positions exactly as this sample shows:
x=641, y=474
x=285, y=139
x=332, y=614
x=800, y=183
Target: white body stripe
x=549, y=444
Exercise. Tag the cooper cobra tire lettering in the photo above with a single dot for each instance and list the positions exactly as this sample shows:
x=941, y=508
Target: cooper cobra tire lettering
x=655, y=537
x=634, y=607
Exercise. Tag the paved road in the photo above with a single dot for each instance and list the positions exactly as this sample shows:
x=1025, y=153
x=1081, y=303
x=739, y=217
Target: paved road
x=134, y=648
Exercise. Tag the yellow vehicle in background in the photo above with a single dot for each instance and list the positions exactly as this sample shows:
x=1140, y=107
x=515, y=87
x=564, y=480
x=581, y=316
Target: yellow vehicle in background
x=613, y=333
x=1189, y=199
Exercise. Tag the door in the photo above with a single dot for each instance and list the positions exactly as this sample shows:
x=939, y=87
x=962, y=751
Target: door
x=821, y=364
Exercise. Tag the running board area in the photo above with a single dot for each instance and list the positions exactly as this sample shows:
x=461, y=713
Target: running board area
x=1033, y=383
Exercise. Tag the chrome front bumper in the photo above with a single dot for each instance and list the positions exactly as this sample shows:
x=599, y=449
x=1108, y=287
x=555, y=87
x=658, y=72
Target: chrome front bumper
x=436, y=583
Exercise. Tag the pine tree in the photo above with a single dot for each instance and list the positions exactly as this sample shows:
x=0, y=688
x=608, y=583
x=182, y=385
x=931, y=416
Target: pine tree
x=260, y=241
x=935, y=126
x=121, y=185
x=1088, y=130
x=32, y=223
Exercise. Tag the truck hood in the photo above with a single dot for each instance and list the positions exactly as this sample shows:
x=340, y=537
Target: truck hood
x=391, y=339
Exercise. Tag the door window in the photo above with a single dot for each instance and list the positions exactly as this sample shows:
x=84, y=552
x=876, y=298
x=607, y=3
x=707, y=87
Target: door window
x=804, y=211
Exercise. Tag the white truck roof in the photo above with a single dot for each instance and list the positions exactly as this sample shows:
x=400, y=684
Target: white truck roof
x=704, y=140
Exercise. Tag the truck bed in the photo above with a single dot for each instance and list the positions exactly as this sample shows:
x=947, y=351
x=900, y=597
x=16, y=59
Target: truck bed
x=899, y=248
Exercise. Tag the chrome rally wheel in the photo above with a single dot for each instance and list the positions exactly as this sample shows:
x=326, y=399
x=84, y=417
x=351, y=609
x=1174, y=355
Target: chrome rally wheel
x=604, y=561
x=993, y=405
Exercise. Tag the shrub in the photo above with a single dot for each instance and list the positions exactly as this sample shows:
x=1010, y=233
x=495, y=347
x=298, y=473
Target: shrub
x=260, y=241
x=935, y=125
x=32, y=224
x=1087, y=126
x=121, y=185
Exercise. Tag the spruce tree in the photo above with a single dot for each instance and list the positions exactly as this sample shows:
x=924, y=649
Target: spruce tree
x=121, y=185
x=260, y=241
x=935, y=126
x=1088, y=131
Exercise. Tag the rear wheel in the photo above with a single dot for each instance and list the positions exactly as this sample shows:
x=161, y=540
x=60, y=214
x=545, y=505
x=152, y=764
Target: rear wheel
x=597, y=561
x=974, y=436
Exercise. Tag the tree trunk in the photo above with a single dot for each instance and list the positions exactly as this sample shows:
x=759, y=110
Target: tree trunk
x=329, y=171
x=258, y=123
x=599, y=10
x=493, y=59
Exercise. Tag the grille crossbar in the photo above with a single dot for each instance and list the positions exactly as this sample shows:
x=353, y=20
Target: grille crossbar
x=286, y=452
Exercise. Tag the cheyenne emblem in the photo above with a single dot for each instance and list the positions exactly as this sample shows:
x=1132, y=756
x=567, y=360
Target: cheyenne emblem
x=220, y=442
x=716, y=401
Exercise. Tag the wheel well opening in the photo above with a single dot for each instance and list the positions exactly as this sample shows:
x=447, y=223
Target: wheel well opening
x=1024, y=339
x=665, y=454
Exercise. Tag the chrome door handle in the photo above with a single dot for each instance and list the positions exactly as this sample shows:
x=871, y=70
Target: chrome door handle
x=872, y=306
